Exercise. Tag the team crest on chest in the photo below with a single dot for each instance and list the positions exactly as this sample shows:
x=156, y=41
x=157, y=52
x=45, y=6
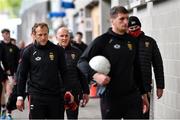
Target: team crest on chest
x=51, y=56
x=10, y=50
x=129, y=45
x=73, y=56
x=147, y=44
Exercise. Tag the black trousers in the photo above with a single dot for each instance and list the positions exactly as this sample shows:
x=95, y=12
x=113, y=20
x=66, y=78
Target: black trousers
x=74, y=114
x=127, y=107
x=1, y=87
x=46, y=107
x=3, y=75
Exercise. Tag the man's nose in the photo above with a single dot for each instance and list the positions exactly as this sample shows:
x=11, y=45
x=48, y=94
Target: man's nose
x=126, y=21
x=43, y=37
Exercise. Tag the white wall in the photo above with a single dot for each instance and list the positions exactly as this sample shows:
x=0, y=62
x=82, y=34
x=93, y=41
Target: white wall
x=32, y=15
x=162, y=22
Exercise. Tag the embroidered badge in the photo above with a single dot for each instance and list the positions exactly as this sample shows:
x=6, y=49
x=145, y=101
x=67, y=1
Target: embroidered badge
x=129, y=45
x=51, y=56
x=10, y=50
x=147, y=44
x=117, y=46
x=73, y=56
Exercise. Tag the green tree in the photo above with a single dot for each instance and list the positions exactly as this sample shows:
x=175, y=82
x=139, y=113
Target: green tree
x=10, y=6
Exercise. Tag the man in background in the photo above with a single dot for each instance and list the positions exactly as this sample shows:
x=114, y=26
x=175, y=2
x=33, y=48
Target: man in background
x=78, y=83
x=11, y=56
x=77, y=42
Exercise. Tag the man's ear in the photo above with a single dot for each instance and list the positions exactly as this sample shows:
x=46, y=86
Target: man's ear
x=112, y=22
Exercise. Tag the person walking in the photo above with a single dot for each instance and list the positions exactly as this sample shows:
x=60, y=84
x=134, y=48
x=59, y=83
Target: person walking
x=77, y=42
x=21, y=45
x=149, y=56
x=46, y=65
x=78, y=84
x=3, y=75
x=11, y=102
x=11, y=56
x=122, y=97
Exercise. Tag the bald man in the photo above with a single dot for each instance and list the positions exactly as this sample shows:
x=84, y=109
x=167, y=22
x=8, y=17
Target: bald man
x=79, y=84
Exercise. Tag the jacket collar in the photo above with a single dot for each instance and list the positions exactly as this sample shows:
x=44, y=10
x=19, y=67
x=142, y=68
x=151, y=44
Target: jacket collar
x=42, y=46
x=115, y=34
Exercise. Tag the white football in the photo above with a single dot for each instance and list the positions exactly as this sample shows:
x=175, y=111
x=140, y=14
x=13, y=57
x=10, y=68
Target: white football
x=100, y=64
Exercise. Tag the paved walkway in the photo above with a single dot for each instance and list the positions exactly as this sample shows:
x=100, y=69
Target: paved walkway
x=91, y=111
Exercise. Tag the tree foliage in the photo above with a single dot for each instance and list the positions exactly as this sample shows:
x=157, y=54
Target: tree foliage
x=10, y=6
x=14, y=3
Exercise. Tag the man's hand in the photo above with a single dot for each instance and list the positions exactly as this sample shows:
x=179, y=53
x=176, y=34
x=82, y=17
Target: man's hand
x=8, y=72
x=72, y=97
x=159, y=93
x=101, y=79
x=20, y=105
x=84, y=100
x=145, y=103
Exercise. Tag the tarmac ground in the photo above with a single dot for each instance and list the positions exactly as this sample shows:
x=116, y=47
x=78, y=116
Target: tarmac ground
x=90, y=111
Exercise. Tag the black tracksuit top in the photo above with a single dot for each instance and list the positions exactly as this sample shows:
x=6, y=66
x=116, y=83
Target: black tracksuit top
x=150, y=56
x=81, y=46
x=11, y=57
x=1, y=52
x=2, y=72
x=120, y=50
x=78, y=83
x=47, y=69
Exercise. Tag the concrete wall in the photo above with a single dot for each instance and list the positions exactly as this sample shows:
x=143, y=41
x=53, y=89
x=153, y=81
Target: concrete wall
x=95, y=21
x=161, y=21
x=104, y=7
x=97, y=11
x=29, y=17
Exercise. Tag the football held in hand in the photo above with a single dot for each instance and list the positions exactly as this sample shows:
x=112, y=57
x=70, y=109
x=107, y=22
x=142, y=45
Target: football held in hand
x=100, y=64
